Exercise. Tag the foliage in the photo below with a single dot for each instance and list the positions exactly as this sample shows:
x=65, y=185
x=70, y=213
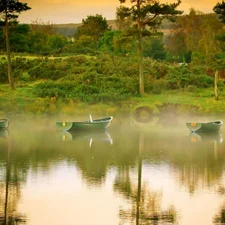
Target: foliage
x=34, y=38
x=39, y=26
x=154, y=47
x=56, y=42
x=200, y=32
x=107, y=74
x=47, y=70
x=94, y=81
x=105, y=68
x=93, y=26
x=148, y=13
x=182, y=77
x=109, y=41
x=219, y=8
x=175, y=42
x=101, y=65
x=44, y=40
x=3, y=71
x=18, y=37
x=84, y=45
x=147, y=16
x=82, y=92
x=11, y=8
x=122, y=22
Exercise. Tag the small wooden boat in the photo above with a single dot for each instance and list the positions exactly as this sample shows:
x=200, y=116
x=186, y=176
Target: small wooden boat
x=4, y=123
x=205, y=127
x=90, y=125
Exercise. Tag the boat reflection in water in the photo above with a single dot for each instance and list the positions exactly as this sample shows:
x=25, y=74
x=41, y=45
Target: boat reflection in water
x=65, y=136
x=91, y=137
x=207, y=140
x=4, y=133
x=217, y=136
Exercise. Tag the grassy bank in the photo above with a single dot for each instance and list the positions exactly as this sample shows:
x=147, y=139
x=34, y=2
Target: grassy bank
x=23, y=101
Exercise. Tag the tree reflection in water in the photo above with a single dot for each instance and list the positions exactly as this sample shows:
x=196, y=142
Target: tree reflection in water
x=220, y=217
x=145, y=204
x=93, y=155
x=203, y=152
x=192, y=163
x=11, y=194
x=212, y=140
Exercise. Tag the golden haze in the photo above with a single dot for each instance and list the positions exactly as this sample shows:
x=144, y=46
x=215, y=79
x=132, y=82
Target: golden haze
x=73, y=11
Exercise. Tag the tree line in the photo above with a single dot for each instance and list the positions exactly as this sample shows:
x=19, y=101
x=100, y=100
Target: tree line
x=196, y=37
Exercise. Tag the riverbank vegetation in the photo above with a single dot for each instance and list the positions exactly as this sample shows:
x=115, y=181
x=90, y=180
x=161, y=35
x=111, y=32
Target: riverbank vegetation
x=97, y=67
x=101, y=83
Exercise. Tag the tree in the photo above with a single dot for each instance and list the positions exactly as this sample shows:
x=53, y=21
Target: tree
x=122, y=23
x=45, y=28
x=109, y=41
x=201, y=33
x=219, y=9
x=154, y=47
x=146, y=14
x=175, y=42
x=195, y=33
x=9, y=10
x=93, y=26
x=19, y=37
x=56, y=42
x=43, y=38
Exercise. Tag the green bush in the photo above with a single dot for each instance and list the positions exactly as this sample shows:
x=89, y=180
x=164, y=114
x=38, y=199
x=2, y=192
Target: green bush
x=3, y=72
x=201, y=81
x=82, y=92
x=24, y=77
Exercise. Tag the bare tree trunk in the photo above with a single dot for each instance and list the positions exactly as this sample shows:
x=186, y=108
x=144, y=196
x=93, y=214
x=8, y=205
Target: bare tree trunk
x=141, y=72
x=215, y=86
x=141, y=69
x=8, y=171
x=140, y=152
x=10, y=77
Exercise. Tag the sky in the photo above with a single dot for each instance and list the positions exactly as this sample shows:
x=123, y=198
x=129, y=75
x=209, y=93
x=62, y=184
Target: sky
x=73, y=11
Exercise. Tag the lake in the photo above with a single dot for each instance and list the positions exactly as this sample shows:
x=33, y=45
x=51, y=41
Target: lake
x=134, y=173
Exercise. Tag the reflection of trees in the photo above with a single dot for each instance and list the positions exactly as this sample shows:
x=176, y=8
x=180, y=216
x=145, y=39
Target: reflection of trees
x=192, y=165
x=196, y=164
x=145, y=204
x=36, y=151
x=220, y=217
x=201, y=165
x=95, y=161
x=11, y=194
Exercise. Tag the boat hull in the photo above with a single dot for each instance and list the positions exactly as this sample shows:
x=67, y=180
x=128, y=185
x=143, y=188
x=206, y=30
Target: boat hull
x=99, y=124
x=4, y=123
x=210, y=127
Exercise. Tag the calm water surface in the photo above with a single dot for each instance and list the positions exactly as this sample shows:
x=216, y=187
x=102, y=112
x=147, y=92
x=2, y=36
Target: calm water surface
x=153, y=173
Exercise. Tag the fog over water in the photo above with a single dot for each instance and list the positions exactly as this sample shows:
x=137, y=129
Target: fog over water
x=133, y=173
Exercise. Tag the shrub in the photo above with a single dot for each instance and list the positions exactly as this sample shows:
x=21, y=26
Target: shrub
x=201, y=81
